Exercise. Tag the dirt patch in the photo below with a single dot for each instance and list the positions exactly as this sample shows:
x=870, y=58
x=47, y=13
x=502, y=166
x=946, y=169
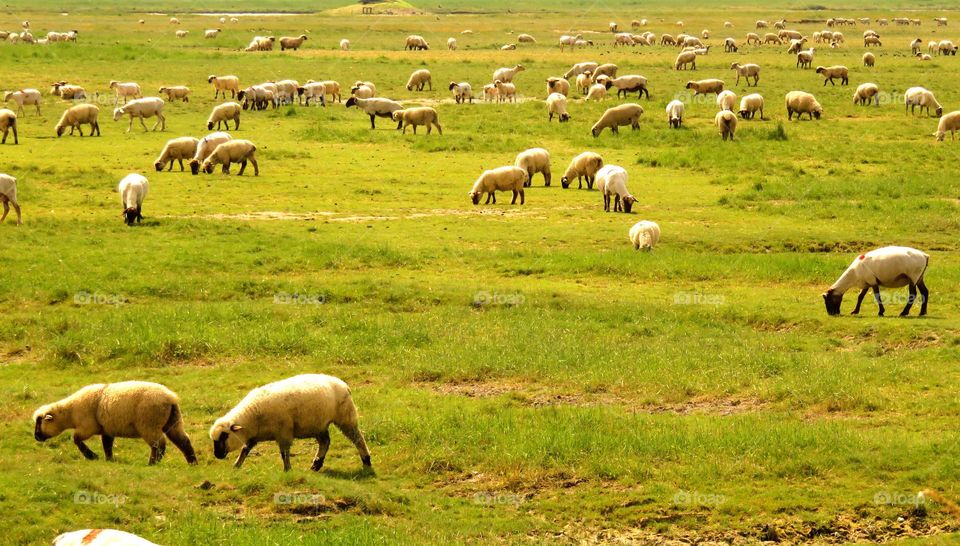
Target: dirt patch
x=332, y=216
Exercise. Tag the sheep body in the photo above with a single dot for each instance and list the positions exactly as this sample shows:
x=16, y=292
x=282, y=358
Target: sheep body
x=831, y=72
x=505, y=91
x=869, y=59
x=223, y=113
x=918, y=96
x=500, y=179
x=703, y=87
x=8, y=196
x=292, y=42
x=533, y=161
x=462, y=92
x=178, y=92
x=133, y=190
x=222, y=84
x=892, y=267
x=597, y=92
x=866, y=93
x=375, y=107
x=344, y=45
x=77, y=115
x=628, y=84
x=726, y=99
x=582, y=166
x=176, y=149
x=675, y=110
x=526, y=39
x=747, y=71
x=506, y=75
x=557, y=105
x=612, y=183
x=558, y=85
x=726, y=123
x=614, y=118
x=949, y=122
x=8, y=122
x=644, y=235
x=415, y=42
x=420, y=78
x=799, y=102
x=750, y=105
x=580, y=68
x=22, y=97
x=686, y=58
x=126, y=91
x=232, y=151
x=205, y=147
x=100, y=537
x=423, y=115
x=143, y=108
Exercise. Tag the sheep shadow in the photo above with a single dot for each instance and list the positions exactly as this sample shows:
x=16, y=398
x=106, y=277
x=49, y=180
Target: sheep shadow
x=364, y=473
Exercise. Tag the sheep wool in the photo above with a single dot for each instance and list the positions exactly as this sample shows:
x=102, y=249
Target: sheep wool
x=100, y=537
x=618, y=116
x=584, y=165
x=177, y=149
x=232, y=151
x=891, y=267
x=8, y=196
x=415, y=117
x=644, y=235
x=205, y=147
x=533, y=161
x=612, y=183
x=949, y=122
x=500, y=179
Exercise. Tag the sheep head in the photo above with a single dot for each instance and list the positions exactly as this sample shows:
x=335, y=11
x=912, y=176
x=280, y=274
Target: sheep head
x=564, y=117
x=226, y=437
x=60, y=129
x=628, y=202
x=565, y=182
x=352, y=101
x=158, y=165
x=130, y=215
x=832, y=302
x=117, y=114
x=49, y=422
x=195, y=166
x=475, y=197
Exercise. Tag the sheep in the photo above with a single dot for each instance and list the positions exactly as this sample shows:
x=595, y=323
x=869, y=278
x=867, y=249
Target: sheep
x=628, y=84
x=623, y=38
x=726, y=100
x=692, y=41
x=933, y=46
x=261, y=43
x=558, y=85
x=598, y=92
x=505, y=91
x=257, y=97
x=133, y=189
x=462, y=92
x=613, y=27
x=222, y=84
x=771, y=38
x=762, y=24
x=182, y=33
x=799, y=102
x=949, y=122
x=287, y=90
x=557, y=105
x=8, y=122
x=753, y=38
x=362, y=91
x=871, y=40
x=625, y=114
x=415, y=42
x=918, y=96
x=177, y=149
x=924, y=57
x=23, y=96
x=344, y=45
x=726, y=122
x=291, y=42
x=686, y=58
x=667, y=39
x=174, y=21
x=583, y=166
x=580, y=68
x=314, y=90
x=890, y=267
x=915, y=46
x=831, y=72
x=205, y=147
x=790, y=35
x=375, y=107
x=8, y=196
x=569, y=41
x=584, y=81
x=125, y=90
x=418, y=79
x=750, y=105
x=730, y=45
x=232, y=151
x=869, y=59
x=612, y=183
x=526, y=39
x=533, y=161
x=703, y=87
x=332, y=88
x=100, y=537
x=211, y=33
x=644, y=234
x=131, y=409
x=178, y=92
x=77, y=115
x=675, y=110
x=508, y=47
x=867, y=93
x=143, y=108
x=796, y=45
x=500, y=179
x=747, y=71
x=452, y=44
x=506, y=75
x=490, y=92
x=423, y=115
x=946, y=47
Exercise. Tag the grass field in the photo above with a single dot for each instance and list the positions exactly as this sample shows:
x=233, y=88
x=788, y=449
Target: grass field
x=522, y=374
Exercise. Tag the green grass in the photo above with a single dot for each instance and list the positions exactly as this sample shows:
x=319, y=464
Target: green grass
x=521, y=372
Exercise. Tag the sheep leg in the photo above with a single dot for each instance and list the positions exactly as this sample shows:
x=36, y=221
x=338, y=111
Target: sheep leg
x=157, y=449
x=6, y=208
x=373, y=125
x=256, y=168
x=180, y=161
x=439, y=129
x=910, y=300
x=171, y=165
x=16, y=139
x=876, y=296
x=243, y=165
x=606, y=203
x=285, y=453
x=521, y=196
x=84, y=450
x=182, y=441
x=546, y=178
x=514, y=200
x=107, y=446
x=236, y=120
x=353, y=434
x=617, y=207
x=129, y=127
x=323, y=444
x=856, y=310
x=95, y=127
x=924, y=293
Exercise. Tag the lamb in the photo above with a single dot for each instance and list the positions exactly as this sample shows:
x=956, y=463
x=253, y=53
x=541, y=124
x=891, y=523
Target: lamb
x=667, y=39
x=423, y=115
x=344, y=45
x=867, y=93
x=23, y=96
x=557, y=105
x=612, y=183
x=623, y=38
x=949, y=122
x=799, y=102
x=505, y=91
x=726, y=100
x=750, y=104
x=628, y=84
x=558, y=85
x=125, y=90
x=452, y=44
x=291, y=42
x=526, y=39
x=418, y=79
x=232, y=151
x=753, y=38
x=891, y=267
x=871, y=40
x=533, y=161
x=177, y=149
x=415, y=42
x=131, y=409
x=8, y=122
x=205, y=147
x=924, y=57
x=583, y=166
x=726, y=123
x=645, y=234
x=771, y=38
x=747, y=71
x=77, y=115
x=831, y=72
x=462, y=92
x=584, y=81
x=100, y=537
x=133, y=190
x=597, y=92
x=332, y=88
x=933, y=46
x=915, y=46
x=614, y=118
x=500, y=179
x=506, y=75
x=222, y=84
x=508, y=47
x=702, y=87
x=730, y=45
x=302, y=406
x=174, y=21
x=805, y=58
x=580, y=68
x=143, y=108
x=375, y=107
x=179, y=92
x=286, y=90
x=675, y=110
x=261, y=43
x=211, y=33
x=869, y=59
x=490, y=92
x=182, y=33
x=918, y=96
x=686, y=58
x=8, y=195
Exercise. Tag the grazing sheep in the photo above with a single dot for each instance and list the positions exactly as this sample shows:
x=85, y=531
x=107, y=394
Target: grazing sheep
x=730, y=45
x=211, y=33
x=363, y=91
x=423, y=115
x=125, y=91
x=420, y=78
x=222, y=84
x=726, y=123
x=607, y=69
x=747, y=71
x=614, y=118
x=867, y=93
x=569, y=41
x=580, y=68
x=290, y=42
x=612, y=183
x=533, y=161
x=675, y=110
x=753, y=38
x=77, y=115
x=726, y=100
x=100, y=537
x=177, y=149
x=452, y=44
x=890, y=267
x=23, y=96
x=526, y=39
x=344, y=45
x=558, y=85
x=703, y=87
x=805, y=58
x=869, y=59
x=799, y=102
x=505, y=91
x=415, y=42
x=302, y=406
x=223, y=113
x=871, y=40
x=583, y=166
x=946, y=47
x=330, y=87
x=771, y=38
x=8, y=122
x=762, y=24
x=645, y=234
x=506, y=75
x=949, y=122
x=205, y=147
x=490, y=92
x=176, y=93
x=131, y=409
x=143, y=108
x=831, y=72
x=500, y=179
x=232, y=151
x=462, y=92
x=598, y=92
x=684, y=59
x=261, y=43
x=933, y=46
x=750, y=105
x=8, y=195
x=375, y=107
x=628, y=84
x=133, y=190
x=508, y=47
x=557, y=105
x=182, y=33
x=584, y=81
x=918, y=96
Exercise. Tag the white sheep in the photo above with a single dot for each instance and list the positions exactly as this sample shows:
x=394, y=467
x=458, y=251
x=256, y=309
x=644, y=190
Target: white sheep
x=583, y=166
x=614, y=118
x=612, y=183
x=8, y=196
x=747, y=71
x=314, y=90
x=420, y=78
x=890, y=267
x=205, y=147
x=831, y=72
x=8, y=122
x=211, y=33
x=222, y=84
x=949, y=122
x=570, y=41
x=726, y=100
x=584, y=81
x=558, y=85
x=302, y=406
x=232, y=151
x=462, y=92
x=182, y=33
x=675, y=110
x=423, y=115
x=580, y=68
x=918, y=96
x=223, y=113
x=684, y=59
x=129, y=90
x=23, y=96
x=344, y=45
x=629, y=84
x=869, y=59
x=598, y=92
x=867, y=93
x=178, y=92
x=726, y=123
x=375, y=107
x=644, y=235
x=100, y=537
x=526, y=39
x=799, y=102
x=415, y=42
x=750, y=105
x=362, y=91
x=557, y=105
x=77, y=115
x=140, y=109
x=730, y=45
x=506, y=75
x=177, y=149
x=452, y=44
x=703, y=87
x=805, y=58
x=508, y=47
x=500, y=179
x=533, y=161
x=505, y=91
x=133, y=190
x=292, y=42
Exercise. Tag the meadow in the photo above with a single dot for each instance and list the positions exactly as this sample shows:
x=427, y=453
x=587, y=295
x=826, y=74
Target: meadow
x=522, y=373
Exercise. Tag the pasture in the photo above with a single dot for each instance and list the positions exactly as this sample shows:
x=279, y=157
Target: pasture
x=522, y=373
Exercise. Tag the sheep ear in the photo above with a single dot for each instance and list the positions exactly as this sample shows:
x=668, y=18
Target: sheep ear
x=234, y=428
x=48, y=417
